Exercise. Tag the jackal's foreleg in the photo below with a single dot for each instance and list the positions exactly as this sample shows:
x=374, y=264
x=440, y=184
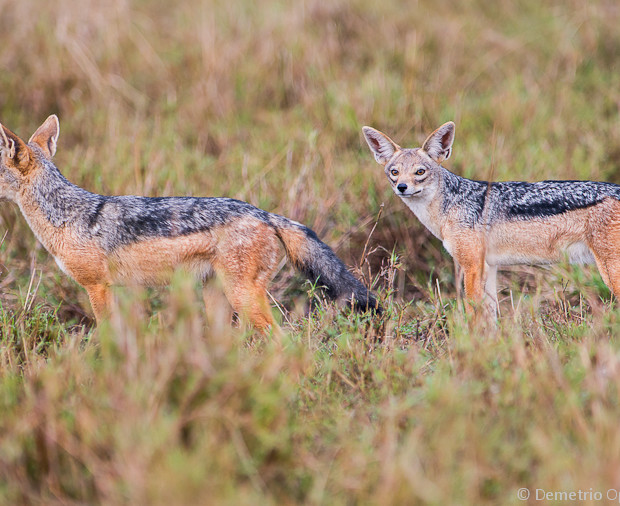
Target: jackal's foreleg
x=100, y=299
x=474, y=291
x=490, y=291
x=469, y=254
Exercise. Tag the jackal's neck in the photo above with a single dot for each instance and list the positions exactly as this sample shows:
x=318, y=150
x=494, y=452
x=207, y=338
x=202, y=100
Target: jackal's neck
x=457, y=190
x=52, y=196
x=450, y=187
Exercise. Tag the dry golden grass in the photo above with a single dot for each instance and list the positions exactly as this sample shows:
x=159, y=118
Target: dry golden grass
x=265, y=102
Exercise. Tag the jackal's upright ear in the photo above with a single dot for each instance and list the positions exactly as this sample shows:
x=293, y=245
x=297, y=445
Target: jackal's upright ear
x=14, y=151
x=438, y=145
x=46, y=136
x=380, y=144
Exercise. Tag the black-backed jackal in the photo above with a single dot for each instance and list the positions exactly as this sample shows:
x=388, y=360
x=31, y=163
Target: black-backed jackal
x=100, y=241
x=486, y=225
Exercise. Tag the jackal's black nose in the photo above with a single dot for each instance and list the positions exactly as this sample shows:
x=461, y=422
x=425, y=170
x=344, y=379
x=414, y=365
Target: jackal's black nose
x=402, y=187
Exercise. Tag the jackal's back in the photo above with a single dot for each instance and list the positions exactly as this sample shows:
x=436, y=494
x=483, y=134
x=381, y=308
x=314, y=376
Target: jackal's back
x=114, y=221
x=484, y=202
x=122, y=220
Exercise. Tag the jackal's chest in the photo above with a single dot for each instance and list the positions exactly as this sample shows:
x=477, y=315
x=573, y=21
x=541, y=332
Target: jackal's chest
x=427, y=213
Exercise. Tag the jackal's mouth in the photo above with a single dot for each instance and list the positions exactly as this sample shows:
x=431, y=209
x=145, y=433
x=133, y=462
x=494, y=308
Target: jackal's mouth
x=409, y=194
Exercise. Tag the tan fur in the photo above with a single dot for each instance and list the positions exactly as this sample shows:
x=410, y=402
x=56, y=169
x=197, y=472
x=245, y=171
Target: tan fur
x=243, y=270
x=152, y=261
x=548, y=238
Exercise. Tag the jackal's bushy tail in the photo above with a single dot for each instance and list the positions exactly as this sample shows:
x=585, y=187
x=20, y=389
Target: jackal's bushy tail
x=319, y=263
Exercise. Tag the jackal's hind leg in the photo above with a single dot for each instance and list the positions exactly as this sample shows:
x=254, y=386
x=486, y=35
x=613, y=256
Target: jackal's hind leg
x=604, y=242
x=245, y=264
x=250, y=301
x=614, y=278
x=609, y=267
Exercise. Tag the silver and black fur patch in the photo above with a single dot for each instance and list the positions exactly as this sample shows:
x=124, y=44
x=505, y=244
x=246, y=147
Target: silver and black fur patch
x=484, y=202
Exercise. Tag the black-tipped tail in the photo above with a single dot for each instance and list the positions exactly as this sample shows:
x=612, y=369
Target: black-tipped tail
x=319, y=264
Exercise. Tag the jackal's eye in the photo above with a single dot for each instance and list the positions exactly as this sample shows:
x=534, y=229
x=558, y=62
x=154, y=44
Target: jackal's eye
x=419, y=172
x=394, y=172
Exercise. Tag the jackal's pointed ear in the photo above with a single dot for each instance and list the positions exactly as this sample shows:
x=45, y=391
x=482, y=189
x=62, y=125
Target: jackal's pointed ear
x=438, y=145
x=14, y=151
x=46, y=136
x=380, y=144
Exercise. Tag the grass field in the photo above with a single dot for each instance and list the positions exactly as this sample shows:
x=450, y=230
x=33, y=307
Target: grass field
x=264, y=101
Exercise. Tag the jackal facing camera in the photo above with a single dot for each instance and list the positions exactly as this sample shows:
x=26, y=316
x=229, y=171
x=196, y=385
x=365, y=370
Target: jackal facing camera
x=105, y=240
x=485, y=225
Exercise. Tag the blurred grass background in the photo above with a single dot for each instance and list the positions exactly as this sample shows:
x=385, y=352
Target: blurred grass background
x=264, y=101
